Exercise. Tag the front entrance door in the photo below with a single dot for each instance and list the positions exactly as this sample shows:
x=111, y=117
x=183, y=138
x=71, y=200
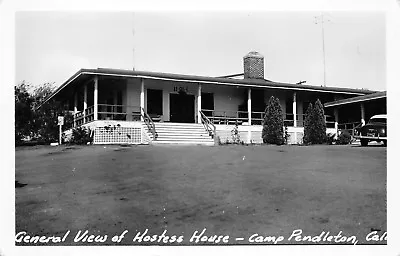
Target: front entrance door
x=154, y=102
x=181, y=107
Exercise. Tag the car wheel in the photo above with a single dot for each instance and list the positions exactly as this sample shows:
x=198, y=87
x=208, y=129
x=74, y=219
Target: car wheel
x=364, y=142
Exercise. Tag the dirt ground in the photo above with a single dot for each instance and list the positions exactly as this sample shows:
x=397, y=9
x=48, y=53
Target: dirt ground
x=239, y=191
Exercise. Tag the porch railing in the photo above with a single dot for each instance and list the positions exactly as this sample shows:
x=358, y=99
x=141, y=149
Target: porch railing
x=108, y=112
x=288, y=120
x=113, y=112
x=79, y=118
x=350, y=127
x=149, y=123
x=208, y=125
x=89, y=114
x=300, y=118
x=232, y=117
x=257, y=118
x=330, y=122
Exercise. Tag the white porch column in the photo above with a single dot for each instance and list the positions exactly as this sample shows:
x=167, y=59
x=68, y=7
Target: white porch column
x=84, y=102
x=294, y=110
x=295, y=116
x=142, y=99
x=362, y=114
x=75, y=106
x=336, y=114
x=95, y=98
x=249, y=114
x=249, y=105
x=199, y=104
x=115, y=102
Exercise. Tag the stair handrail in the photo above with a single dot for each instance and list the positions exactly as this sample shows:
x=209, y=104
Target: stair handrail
x=149, y=123
x=208, y=125
x=355, y=128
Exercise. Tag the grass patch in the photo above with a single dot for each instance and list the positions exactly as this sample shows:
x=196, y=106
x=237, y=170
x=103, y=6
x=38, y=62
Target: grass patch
x=231, y=190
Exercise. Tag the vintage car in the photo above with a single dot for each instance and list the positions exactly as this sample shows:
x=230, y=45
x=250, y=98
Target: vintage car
x=374, y=130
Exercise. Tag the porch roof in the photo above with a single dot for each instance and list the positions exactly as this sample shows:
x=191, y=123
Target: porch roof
x=84, y=74
x=368, y=97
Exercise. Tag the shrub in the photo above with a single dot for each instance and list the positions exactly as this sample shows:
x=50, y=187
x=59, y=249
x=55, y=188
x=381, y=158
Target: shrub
x=314, y=124
x=308, y=126
x=330, y=138
x=287, y=135
x=272, y=132
x=319, y=123
x=81, y=135
x=235, y=135
x=217, y=140
x=344, y=138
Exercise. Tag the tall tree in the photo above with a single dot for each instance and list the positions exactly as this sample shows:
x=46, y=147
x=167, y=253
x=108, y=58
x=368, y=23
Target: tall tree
x=272, y=132
x=320, y=124
x=45, y=121
x=38, y=123
x=308, y=124
x=23, y=112
x=314, y=124
x=41, y=92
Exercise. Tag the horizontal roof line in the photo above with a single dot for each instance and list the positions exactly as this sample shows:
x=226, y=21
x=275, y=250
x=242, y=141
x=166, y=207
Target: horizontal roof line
x=202, y=79
x=229, y=76
x=368, y=97
x=223, y=83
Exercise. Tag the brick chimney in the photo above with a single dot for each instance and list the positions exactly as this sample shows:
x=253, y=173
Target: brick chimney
x=253, y=66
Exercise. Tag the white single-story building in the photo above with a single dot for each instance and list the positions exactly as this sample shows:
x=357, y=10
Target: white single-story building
x=128, y=106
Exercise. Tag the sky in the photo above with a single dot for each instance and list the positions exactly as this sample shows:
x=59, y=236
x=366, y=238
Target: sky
x=52, y=46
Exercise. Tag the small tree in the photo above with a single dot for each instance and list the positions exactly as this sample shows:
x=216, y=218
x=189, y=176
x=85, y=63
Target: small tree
x=314, y=124
x=320, y=124
x=273, y=123
x=235, y=134
x=308, y=126
x=286, y=136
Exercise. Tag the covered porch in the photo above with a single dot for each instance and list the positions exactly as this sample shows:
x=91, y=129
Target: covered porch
x=122, y=100
x=352, y=113
x=123, y=97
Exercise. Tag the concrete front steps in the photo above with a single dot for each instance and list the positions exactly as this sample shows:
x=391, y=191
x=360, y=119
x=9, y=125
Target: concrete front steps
x=182, y=133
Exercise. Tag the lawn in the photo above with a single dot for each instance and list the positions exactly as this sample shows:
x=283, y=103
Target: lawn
x=235, y=191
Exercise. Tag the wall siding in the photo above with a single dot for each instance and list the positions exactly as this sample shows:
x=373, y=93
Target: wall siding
x=132, y=96
x=225, y=135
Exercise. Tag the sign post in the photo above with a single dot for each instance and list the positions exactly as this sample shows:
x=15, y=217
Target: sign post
x=60, y=124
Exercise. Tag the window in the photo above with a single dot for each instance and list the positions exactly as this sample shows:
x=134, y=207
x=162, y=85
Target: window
x=289, y=108
x=207, y=103
x=377, y=120
x=154, y=101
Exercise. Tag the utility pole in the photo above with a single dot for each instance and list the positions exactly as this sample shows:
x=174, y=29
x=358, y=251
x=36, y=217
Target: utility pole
x=320, y=19
x=133, y=41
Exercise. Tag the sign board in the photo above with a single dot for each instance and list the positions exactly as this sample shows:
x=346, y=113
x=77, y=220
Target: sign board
x=60, y=120
x=181, y=88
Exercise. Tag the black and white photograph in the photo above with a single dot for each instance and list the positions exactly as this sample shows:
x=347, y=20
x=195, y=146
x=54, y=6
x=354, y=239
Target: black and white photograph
x=239, y=129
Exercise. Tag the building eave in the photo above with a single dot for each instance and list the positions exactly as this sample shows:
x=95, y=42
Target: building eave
x=258, y=83
x=364, y=98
